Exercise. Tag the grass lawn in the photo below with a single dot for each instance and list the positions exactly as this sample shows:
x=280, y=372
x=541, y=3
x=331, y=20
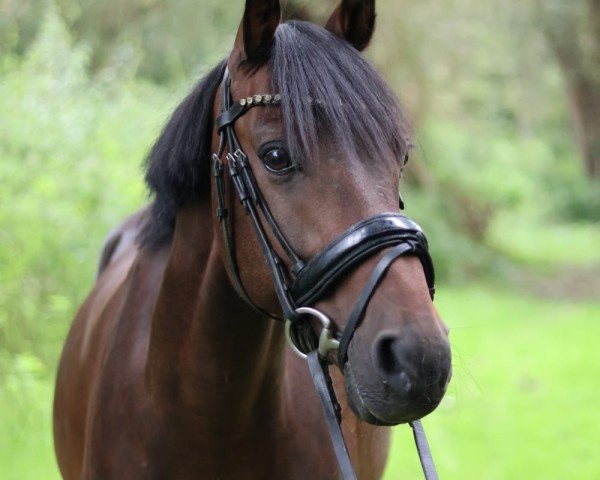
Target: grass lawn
x=523, y=403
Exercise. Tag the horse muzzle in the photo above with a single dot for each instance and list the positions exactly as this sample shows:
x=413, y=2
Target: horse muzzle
x=394, y=377
x=400, y=378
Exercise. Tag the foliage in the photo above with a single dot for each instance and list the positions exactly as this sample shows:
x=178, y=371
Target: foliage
x=71, y=151
x=153, y=28
x=26, y=448
x=577, y=199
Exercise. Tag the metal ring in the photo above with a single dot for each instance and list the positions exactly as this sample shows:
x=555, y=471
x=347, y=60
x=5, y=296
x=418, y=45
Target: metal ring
x=327, y=339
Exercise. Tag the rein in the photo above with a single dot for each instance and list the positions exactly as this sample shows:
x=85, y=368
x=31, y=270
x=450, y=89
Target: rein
x=311, y=279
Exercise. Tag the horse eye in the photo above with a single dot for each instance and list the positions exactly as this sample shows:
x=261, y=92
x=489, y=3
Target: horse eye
x=277, y=160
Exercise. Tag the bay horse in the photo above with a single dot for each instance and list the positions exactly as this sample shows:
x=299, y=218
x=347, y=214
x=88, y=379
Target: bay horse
x=173, y=368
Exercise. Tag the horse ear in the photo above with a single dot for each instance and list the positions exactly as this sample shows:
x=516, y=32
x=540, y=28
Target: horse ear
x=257, y=30
x=354, y=21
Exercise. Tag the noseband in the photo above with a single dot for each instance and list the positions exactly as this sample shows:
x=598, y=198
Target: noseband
x=307, y=282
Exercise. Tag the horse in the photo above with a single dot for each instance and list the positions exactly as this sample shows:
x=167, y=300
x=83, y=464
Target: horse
x=173, y=367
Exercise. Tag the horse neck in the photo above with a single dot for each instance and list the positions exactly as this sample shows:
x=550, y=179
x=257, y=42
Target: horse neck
x=208, y=350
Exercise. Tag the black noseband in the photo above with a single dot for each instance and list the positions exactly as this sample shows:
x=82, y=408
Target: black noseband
x=359, y=242
x=356, y=244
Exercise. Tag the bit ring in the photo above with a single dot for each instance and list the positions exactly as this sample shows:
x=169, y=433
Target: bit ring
x=327, y=340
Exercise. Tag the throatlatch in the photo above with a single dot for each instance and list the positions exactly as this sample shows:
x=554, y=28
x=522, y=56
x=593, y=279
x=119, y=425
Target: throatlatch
x=311, y=280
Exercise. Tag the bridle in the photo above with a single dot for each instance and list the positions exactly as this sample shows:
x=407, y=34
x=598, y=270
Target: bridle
x=313, y=278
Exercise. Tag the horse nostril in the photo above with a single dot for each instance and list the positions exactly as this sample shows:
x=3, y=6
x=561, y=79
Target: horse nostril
x=390, y=363
x=386, y=359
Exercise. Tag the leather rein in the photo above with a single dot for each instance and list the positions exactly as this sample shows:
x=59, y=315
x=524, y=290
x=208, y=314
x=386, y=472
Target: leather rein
x=306, y=282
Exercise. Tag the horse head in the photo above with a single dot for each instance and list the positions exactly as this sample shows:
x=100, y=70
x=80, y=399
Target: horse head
x=315, y=170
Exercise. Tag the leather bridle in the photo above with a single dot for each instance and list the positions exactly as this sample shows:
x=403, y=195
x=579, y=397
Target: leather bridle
x=306, y=282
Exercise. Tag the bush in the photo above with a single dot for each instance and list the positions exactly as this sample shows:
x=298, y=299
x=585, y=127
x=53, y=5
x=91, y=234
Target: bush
x=577, y=199
x=71, y=148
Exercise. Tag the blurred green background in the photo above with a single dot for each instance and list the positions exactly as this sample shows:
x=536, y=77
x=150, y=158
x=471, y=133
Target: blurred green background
x=505, y=102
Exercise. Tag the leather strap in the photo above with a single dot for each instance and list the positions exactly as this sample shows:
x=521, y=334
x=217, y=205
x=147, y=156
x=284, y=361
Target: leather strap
x=322, y=381
x=249, y=196
x=229, y=116
x=424, y=452
x=361, y=305
x=222, y=215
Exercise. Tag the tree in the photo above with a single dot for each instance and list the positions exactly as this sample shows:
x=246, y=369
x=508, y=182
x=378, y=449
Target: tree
x=572, y=30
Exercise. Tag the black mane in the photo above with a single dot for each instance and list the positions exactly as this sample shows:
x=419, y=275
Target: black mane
x=330, y=95
x=178, y=166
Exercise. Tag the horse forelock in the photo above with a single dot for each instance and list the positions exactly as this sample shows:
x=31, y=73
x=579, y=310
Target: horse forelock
x=331, y=95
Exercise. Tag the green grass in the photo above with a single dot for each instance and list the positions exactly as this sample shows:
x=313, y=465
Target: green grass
x=523, y=402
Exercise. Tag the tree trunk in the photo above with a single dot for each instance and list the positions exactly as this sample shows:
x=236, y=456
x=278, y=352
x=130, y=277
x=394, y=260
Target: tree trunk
x=585, y=110
x=574, y=37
